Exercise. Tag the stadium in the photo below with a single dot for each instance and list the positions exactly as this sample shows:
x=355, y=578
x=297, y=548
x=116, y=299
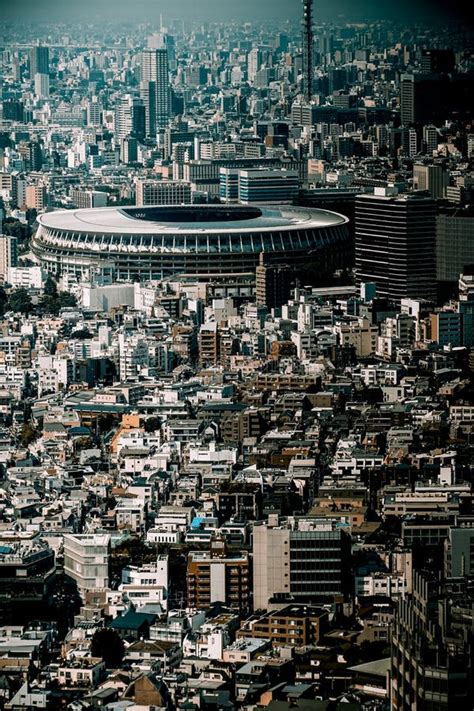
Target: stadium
x=160, y=242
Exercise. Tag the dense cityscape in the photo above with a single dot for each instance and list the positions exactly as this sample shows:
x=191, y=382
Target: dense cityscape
x=236, y=363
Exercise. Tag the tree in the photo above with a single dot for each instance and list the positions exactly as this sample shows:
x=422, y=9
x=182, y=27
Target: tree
x=28, y=434
x=108, y=645
x=50, y=288
x=152, y=424
x=20, y=301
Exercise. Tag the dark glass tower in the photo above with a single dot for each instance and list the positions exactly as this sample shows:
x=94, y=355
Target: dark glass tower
x=308, y=48
x=396, y=244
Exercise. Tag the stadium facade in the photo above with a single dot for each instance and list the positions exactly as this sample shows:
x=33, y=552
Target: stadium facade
x=161, y=242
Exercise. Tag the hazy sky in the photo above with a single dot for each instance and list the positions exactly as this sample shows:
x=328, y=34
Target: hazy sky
x=235, y=9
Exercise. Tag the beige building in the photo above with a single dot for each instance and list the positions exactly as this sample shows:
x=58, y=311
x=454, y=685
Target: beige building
x=163, y=192
x=360, y=334
x=36, y=197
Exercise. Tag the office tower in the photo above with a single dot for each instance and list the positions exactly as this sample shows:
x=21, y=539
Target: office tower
x=446, y=328
x=39, y=61
x=268, y=186
x=308, y=48
x=441, y=61
x=33, y=155
x=129, y=150
x=218, y=576
x=272, y=283
x=407, y=99
x=148, y=96
x=86, y=560
x=254, y=62
x=430, y=139
x=129, y=117
x=163, y=192
x=94, y=112
x=396, y=243
x=432, y=649
x=8, y=254
x=432, y=178
x=454, y=242
x=154, y=69
x=42, y=86
x=300, y=560
x=428, y=98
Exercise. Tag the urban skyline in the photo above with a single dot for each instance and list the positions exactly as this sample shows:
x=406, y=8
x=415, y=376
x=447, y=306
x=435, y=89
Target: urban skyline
x=236, y=356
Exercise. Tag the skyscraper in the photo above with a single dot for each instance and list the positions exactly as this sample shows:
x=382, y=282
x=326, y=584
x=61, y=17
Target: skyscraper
x=432, y=652
x=396, y=243
x=407, y=99
x=129, y=117
x=39, y=61
x=308, y=48
x=154, y=70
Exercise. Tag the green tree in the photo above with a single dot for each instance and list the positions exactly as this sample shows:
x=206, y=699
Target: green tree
x=108, y=645
x=20, y=301
x=50, y=288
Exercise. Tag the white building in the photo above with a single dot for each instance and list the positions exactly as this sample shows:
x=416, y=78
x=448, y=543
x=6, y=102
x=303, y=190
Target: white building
x=86, y=560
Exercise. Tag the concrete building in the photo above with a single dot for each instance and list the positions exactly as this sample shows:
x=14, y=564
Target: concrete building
x=396, y=244
x=454, y=242
x=299, y=560
x=36, y=197
x=432, y=178
x=8, y=254
x=218, y=576
x=88, y=198
x=86, y=560
x=163, y=192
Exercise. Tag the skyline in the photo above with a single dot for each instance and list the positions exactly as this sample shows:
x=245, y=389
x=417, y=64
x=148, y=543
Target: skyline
x=226, y=10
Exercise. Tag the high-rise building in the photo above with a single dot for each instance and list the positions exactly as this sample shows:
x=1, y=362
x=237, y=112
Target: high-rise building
x=432, y=178
x=432, y=649
x=454, y=242
x=129, y=117
x=36, y=197
x=94, y=112
x=430, y=139
x=301, y=560
x=155, y=70
x=268, y=186
x=254, y=62
x=163, y=192
x=86, y=560
x=39, y=60
x=307, y=23
x=8, y=254
x=427, y=98
x=437, y=60
x=42, y=85
x=396, y=243
x=272, y=283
